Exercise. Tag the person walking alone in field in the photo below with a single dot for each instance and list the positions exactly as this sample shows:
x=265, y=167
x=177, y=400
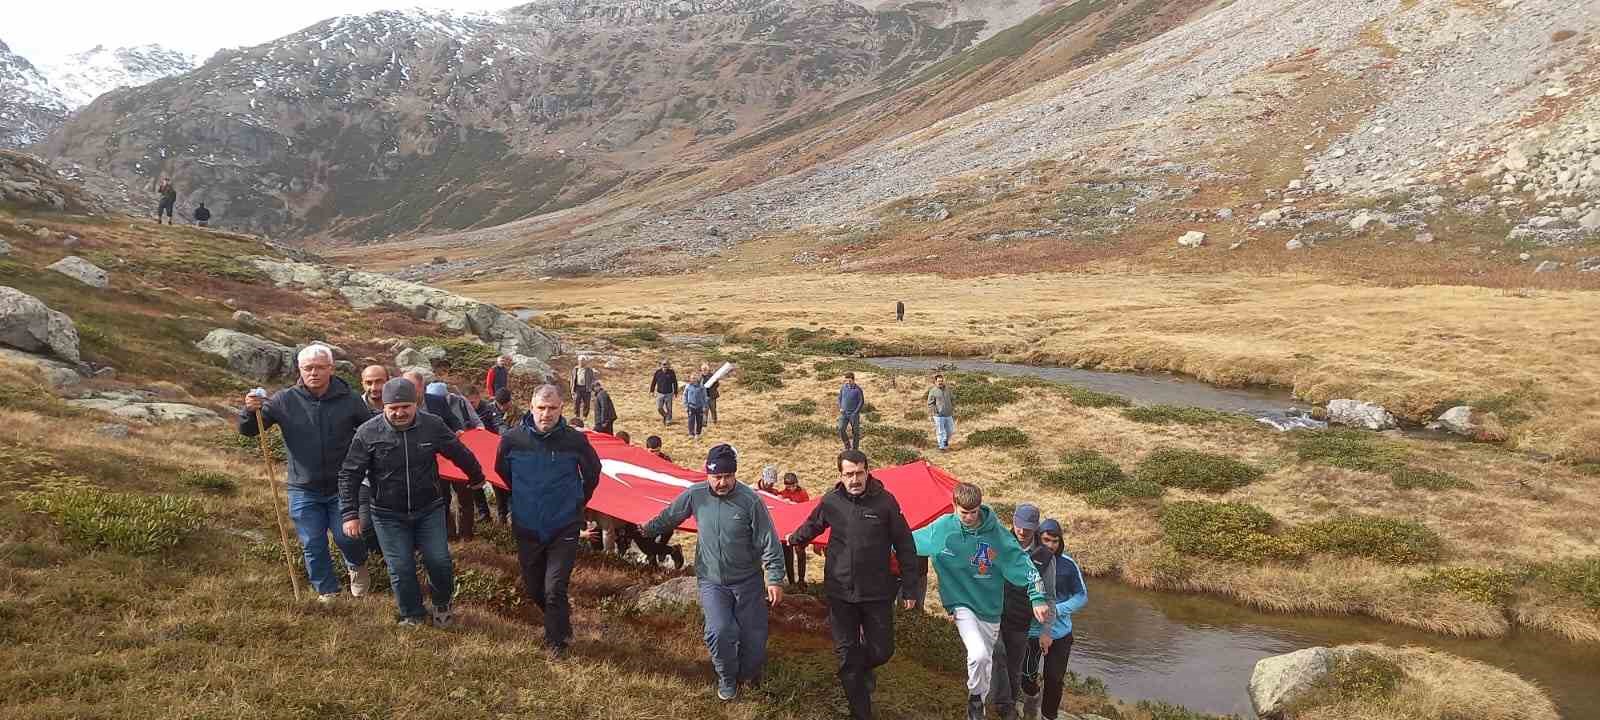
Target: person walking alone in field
x=552, y=471
x=694, y=405
x=851, y=401
x=583, y=381
x=396, y=455
x=169, y=200
x=867, y=528
x=942, y=407
x=713, y=391
x=974, y=557
x=899, y=311
x=738, y=564
x=318, y=417
x=202, y=215
x=664, y=385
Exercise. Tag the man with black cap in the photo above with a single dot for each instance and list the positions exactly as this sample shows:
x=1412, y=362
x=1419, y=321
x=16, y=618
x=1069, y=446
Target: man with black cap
x=1016, y=615
x=867, y=527
x=396, y=455
x=552, y=471
x=737, y=555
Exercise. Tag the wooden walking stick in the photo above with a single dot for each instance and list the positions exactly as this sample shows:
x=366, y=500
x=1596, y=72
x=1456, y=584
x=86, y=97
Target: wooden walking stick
x=277, y=504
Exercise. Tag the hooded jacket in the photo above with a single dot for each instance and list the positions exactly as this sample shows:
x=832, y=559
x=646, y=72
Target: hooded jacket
x=551, y=474
x=737, y=539
x=1018, y=613
x=316, y=431
x=401, y=465
x=1071, y=596
x=851, y=399
x=975, y=563
x=866, y=530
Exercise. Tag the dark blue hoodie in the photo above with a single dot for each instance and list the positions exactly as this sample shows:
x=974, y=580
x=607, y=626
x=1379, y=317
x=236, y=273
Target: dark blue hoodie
x=551, y=474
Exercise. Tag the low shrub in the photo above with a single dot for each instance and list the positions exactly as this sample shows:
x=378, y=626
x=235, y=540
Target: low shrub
x=94, y=519
x=464, y=355
x=1083, y=471
x=805, y=406
x=793, y=433
x=1000, y=437
x=981, y=393
x=837, y=368
x=1349, y=449
x=1354, y=675
x=1389, y=540
x=1086, y=398
x=232, y=440
x=898, y=435
x=1195, y=470
x=1236, y=532
x=1579, y=576
x=645, y=333
x=1118, y=494
x=1158, y=710
x=893, y=455
x=209, y=481
x=1174, y=414
x=1493, y=586
x=1407, y=477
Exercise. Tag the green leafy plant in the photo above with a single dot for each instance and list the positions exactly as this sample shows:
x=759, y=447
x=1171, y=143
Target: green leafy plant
x=1118, y=494
x=1195, y=470
x=1371, y=536
x=1000, y=437
x=209, y=481
x=1173, y=414
x=1224, y=531
x=94, y=519
x=1083, y=471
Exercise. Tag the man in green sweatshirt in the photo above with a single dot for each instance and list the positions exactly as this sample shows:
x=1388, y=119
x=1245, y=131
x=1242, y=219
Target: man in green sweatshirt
x=737, y=543
x=975, y=557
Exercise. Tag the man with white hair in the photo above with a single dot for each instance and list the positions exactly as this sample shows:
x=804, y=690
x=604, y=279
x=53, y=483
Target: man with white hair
x=318, y=416
x=499, y=375
x=583, y=382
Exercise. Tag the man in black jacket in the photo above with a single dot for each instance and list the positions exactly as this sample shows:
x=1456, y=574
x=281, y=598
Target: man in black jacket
x=664, y=384
x=605, y=412
x=202, y=215
x=867, y=526
x=552, y=472
x=318, y=417
x=396, y=455
x=1017, y=615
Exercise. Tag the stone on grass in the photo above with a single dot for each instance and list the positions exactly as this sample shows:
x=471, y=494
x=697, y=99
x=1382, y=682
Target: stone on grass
x=1355, y=413
x=1547, y=266
x=249, y=355
x=1192, y=239
x=245, y=317
x=1279, y=680
x=1469, y=422
x=677, y=591
x=81, y=270
x=31, y=326
x=410, y=358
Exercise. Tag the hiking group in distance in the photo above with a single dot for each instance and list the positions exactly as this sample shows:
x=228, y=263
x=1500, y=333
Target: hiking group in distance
x=363, y=470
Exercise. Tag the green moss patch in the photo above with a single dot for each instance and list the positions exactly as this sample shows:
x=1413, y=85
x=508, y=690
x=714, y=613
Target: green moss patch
x=1195, y=470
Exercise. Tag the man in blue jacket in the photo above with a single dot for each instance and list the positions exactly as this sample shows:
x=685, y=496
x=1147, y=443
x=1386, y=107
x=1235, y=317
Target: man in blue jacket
x=1051, y=645
x=318, y=417
x=552, y=471
x=738, y=549
x=851, y=401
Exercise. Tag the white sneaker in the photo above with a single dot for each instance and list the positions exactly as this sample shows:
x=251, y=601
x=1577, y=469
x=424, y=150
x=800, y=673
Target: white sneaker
x=327, y=598
x=358, y=582
x=443, y=619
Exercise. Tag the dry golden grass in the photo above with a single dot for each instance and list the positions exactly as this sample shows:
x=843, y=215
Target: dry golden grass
x=1437, y=686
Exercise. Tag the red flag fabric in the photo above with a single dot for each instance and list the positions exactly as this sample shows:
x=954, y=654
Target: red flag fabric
x=635, y=485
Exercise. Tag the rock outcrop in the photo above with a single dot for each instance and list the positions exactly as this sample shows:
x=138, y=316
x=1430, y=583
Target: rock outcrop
x=1356, y=413
x=677, y=591
x=82, y=270
x=133, y=406
x=31, y=326
x=249, y=355
x=56, y=374
x=27, y=182
x=1471, y=423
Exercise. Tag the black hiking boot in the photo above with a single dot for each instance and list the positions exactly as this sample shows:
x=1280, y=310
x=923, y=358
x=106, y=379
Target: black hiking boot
x=974, y=707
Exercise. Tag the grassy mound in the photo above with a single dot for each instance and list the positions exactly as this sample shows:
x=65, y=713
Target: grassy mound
x=1376, y=682
x=999, y=437
x=1083, y=471
x=1371, y=536
x=1224, y=531
x=1173, y=414
x=1195, y=470
x=1122, y=493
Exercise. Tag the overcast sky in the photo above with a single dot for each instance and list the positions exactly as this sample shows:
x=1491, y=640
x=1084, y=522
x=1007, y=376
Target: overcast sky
x=43, y=31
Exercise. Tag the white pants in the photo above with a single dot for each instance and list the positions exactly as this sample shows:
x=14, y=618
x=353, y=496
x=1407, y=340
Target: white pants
x=979, y=637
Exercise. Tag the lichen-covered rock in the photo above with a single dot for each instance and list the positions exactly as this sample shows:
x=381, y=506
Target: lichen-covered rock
x=82, y=270
x=249, y=355
x=31, y=326
x=1279, y=680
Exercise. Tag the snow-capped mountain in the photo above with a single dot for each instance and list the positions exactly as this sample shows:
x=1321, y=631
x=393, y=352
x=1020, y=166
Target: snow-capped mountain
x=29, y=106
x=82, y=77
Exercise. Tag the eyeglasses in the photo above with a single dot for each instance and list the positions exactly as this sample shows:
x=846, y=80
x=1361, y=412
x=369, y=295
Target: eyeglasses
x=316, y=368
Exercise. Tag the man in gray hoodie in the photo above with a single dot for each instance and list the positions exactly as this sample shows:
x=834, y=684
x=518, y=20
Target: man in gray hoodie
x=738, y=554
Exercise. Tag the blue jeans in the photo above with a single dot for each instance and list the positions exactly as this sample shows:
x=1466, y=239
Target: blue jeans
x=314, y=516
x=943, y=428
x=736, y=629
x=401, y=535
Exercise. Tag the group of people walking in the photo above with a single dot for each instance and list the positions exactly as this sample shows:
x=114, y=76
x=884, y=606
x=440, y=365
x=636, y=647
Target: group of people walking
x=363, y=469
x=853, y=402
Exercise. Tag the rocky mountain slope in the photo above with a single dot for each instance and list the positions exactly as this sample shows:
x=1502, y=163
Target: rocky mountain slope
x=29, y=106
x=363, y=127
x=82, y=77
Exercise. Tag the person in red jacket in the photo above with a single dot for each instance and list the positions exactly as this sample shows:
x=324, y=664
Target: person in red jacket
x=794, y=558
x=499, y=375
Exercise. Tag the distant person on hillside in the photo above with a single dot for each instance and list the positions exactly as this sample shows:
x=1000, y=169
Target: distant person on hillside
x=974, y=557
x=202, y=216
x=738, y=564
x=396, y=455
x=694, y=405
x=664, y=385
x=794, y=558
x=583, y=380
x=899, y=311
x=851, y=400
x=942, y=406
x=653, y=444
x=1016, y=617
x=605, y=412
x=169, y=200
x=499, y=375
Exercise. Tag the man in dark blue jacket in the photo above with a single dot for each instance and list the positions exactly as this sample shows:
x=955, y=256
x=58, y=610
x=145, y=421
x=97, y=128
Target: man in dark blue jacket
x=851, y=402
x=395, y=455
x=552, y=471
x=318, y=417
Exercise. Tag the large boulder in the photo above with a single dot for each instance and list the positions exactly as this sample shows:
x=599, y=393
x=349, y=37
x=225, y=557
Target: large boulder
x=1279, y=680
x=677, y=591
x=411, y=358
x=56, y=373
x=532, y=368
x=249, y=355
x=82, y=270
x=1469, y=422
x=285, y=273
x=137, y=407
x=1192, y=239
x=1356, y=413
x=31, y=326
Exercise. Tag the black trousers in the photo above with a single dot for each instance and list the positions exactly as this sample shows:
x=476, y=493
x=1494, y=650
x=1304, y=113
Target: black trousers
x=606, y=427
x=697, y=421
x=863, y=638
x=1054, y=672
x=546, y=573
x=580, y=401
x=1011, y=649
x=794, y=562
x=502, y=502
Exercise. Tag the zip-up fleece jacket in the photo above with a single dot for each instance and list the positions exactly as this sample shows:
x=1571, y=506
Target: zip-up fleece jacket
x=736, y=539
x=941, y=401
x=401, y=465
x=551, y=474
x=1071, y=596
x=664, y=382
x=851, y=399
x=866, y=530
x=694, y=396
x=1017, y=613
x=974, y=563
x=316, y=431
x=495, y=379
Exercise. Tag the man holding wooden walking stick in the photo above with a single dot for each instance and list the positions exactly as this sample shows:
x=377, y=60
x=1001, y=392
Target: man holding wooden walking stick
x=318, y=416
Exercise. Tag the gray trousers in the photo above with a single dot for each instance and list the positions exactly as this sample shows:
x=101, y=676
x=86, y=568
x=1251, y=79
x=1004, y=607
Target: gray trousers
x=664, y=406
